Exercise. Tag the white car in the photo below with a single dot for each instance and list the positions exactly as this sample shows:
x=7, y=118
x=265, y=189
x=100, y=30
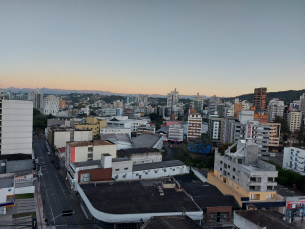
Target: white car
x=49, y=153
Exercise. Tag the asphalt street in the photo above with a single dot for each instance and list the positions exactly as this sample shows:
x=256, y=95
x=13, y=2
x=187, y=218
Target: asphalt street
x=55, y=195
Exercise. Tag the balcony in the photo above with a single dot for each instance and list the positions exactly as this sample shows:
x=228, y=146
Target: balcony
x=269, y=183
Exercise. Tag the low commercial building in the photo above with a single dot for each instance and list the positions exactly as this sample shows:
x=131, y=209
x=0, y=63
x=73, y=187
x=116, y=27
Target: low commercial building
x=261, y=220
x=7, y=192
x=243, y=175
x=140, y=155
x=59, y=136
x=146, y=129
x=92, y=123
x=15, y=162
x=294, y=159
x=293, y=210
x=168, y=222
x=82, y=151
x=134, y=202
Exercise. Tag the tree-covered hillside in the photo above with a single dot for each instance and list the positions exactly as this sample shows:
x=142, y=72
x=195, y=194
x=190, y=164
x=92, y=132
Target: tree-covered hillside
x=286, y=96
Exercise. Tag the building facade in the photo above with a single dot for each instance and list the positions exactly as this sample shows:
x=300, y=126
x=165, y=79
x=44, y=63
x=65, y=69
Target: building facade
x=37, y=97
x=197, y=103
x=16, y=126
x=194, y=125
x=243, y=175
x=294, y=158
x=294, y=120
x=175, y=133
x=260, y=98
x=51, y=105
x=275, y=108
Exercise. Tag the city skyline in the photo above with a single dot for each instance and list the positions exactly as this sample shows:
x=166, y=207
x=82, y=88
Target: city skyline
x=223, y=48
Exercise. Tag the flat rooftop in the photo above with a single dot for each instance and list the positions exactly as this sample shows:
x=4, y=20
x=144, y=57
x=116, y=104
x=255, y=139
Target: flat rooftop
x=283, y=191
x=129, y=152
x=90, y=143
x=7, y=182
x=136, y=197
x=298, y=147
x=170, y=222
x=205, y=194
x=16, y=157
x=157, y=165
x=266, y=219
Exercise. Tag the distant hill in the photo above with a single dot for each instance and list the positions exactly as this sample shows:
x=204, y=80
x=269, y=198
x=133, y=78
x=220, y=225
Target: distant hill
x=64, y=92
x=286, y=96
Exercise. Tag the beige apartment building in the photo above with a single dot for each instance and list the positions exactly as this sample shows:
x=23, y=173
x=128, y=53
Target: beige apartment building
x=294, y=120
x=93, y=124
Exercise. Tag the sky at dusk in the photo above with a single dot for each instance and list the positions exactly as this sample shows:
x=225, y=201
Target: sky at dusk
x=223, y=48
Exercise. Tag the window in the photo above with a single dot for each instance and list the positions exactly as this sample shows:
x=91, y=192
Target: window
x=234, y=169
x=90, y=157
x=117, y=169
x=234, y=177
x=126, y=168
x=268, y=196
x=90, y=149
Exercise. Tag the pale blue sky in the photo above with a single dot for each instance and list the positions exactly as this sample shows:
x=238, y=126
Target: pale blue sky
x=221, y=47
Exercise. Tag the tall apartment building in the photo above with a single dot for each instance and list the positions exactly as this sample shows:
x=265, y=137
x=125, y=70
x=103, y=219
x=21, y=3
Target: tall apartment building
x=294, y=158
x=241, y=174
x=129, y=99
x=302, y=105
x=194, y=125
x=175, y=133
x=51, y=105
x=197, y=103
x=213, y=102
x=62, y=104
x=172, y=99
x=294, y=120
x=118, y=104
x=16, y=126
x=37, y=97
x=264, y=134
x=215, y=128
x=275, y=108
x=260, y=98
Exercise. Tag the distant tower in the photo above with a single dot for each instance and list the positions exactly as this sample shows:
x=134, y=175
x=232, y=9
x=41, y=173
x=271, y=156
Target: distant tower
x=260, y=98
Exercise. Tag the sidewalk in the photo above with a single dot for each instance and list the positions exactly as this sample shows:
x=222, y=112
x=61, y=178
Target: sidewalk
x=39, y=209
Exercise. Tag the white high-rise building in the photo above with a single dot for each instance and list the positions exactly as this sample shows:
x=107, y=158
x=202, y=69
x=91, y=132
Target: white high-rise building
x=37, y=97
x=51, y=105
x=294, y=120
x=275, y=108
x=172, y=99
x=16, y=125
x=293, y=158
x=175, y=133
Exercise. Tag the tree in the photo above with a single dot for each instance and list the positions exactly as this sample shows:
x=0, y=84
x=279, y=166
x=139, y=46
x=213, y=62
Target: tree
x=285, y=132
x=36, y=112
x=97, y=137
x=300, y=134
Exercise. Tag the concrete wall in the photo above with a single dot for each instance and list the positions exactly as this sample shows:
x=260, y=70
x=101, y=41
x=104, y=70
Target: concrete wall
x=17, y=125
x=97, y=174
x=153, y=173
x=119, y=167
x=81, y=152
x=146, y=158
x=241, y=222
x=60, y=138
x=23, y=190
x=82, y=135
